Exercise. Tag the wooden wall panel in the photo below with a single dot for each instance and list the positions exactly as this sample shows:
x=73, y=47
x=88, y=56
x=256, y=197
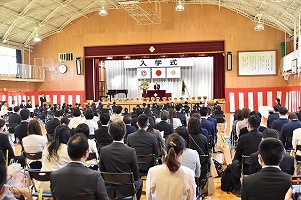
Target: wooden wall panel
x=196, y=23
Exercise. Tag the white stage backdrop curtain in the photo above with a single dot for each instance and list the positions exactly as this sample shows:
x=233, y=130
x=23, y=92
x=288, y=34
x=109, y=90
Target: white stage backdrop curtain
x=198, y=79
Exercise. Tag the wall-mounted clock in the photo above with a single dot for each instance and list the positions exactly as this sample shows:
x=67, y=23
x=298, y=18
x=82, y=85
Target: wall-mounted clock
x=62, y=68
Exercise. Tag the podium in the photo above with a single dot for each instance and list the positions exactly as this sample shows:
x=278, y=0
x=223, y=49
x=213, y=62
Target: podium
x=156, y=93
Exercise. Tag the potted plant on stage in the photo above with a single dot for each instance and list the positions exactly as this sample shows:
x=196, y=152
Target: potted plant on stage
x=144, y=85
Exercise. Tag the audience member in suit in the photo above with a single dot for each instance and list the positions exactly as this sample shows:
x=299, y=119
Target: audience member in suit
x=118, y=158
x=43, y=99
x=151, y=118
x=286, y=164
x=4, y=142
x=180, y=115
x=163, y=125
x=21, y=129
x=171, y=180
x=278, y=123
x=286, y=134
x=75, y=181
x=208, y=125
x=143, y=142
x=248, y=143
x=127, y=119
x=28, y=105
x=212, y=119
x=53, y=123
x=14, y=119
x=138, y=111
x=273, y=116
x=199, y=141
x=270, y=183
x=245, y=129
x=102, y=135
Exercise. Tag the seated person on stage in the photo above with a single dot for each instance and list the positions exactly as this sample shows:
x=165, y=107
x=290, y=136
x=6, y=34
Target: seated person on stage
x=287, y=163
x=118, y=158
x=171, y=180
x=156, y=86
x=270, y=183
x=75, y=181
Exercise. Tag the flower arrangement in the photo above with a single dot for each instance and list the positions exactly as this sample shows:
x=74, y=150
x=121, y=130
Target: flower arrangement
x=144, y=85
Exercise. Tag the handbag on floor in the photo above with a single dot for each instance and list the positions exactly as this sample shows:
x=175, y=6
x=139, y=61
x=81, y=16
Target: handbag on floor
x=209, y=188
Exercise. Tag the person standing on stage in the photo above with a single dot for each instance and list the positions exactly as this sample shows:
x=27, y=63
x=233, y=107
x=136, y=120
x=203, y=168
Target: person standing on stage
x=157, y=86
x=43, y=99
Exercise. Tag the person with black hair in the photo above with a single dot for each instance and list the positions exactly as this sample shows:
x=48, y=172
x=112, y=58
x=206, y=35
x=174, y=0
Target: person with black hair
x=245, y=112
x=116, y=115
x=171, y=180
x=287, y=163
x=181, y=115
x=84, y=128
x=286, y=133
x=273, y=116
x=118, y=158
x=163, y=125
x=75, y=181
x=244, y=130
x=21, y=129
x=208, y=125
x=249, y=142
x=43, y=100
x=4, y=142
x=270, y=183
x=89, y=115
x=136, y=112
x=102, y=135
x=278, y=123
x=142, y=141
x=277, y=100
x=127, y=119
x=190, y=158
x=53, y=123
x=76, y=119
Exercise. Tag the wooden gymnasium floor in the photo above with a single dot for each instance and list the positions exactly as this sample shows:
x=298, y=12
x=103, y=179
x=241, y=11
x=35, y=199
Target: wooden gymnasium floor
x=219, y=194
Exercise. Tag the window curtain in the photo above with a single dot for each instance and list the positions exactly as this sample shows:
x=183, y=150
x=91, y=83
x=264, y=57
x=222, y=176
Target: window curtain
x=198, y=79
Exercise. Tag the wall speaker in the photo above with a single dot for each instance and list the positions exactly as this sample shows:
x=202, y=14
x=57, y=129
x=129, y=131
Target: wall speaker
x=229, y=61
x=79, y=70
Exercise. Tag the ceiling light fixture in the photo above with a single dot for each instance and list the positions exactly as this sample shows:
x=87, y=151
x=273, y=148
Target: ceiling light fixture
x=259, y=27
x=103, y=11
x=37, y=38
x=180, y=7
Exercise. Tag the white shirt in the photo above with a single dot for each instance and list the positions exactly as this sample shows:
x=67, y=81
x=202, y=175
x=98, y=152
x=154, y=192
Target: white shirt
x=163, y=184
x=92, y=125
x=55, y=164
x=34, y=143
x=240, y=125
x=176, y=122
x=297, y=139
x=75, y=121
x=190, y=158
x=92, y=149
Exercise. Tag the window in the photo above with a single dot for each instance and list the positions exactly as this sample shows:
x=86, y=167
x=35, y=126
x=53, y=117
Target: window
x=8, y=64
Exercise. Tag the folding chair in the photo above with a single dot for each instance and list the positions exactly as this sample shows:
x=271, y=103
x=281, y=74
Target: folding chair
x=245, y=162
x=119, y=179
x=42, y=176
x=35, y=157
x=145, y=161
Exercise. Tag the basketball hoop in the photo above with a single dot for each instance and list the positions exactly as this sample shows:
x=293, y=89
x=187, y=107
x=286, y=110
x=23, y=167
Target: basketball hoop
x=286, y=75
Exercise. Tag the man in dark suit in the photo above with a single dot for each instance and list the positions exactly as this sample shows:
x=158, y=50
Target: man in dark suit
x=102, y=135
x=53, y=123
x=14, y=118
x=163, y=125
x=118, y=158
x=75, y=181
x=180, y=115
x=278, y=123
x=287, y=163
x=244, y=130
x=127, y=119
x=142, y=141
x=270, y=183
x=273, y=116
x=43, y=99
x=156, y=86
x=208, y=125
x=286, y=134
x=21, y=129
x=28, y=105
x=4, y=142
